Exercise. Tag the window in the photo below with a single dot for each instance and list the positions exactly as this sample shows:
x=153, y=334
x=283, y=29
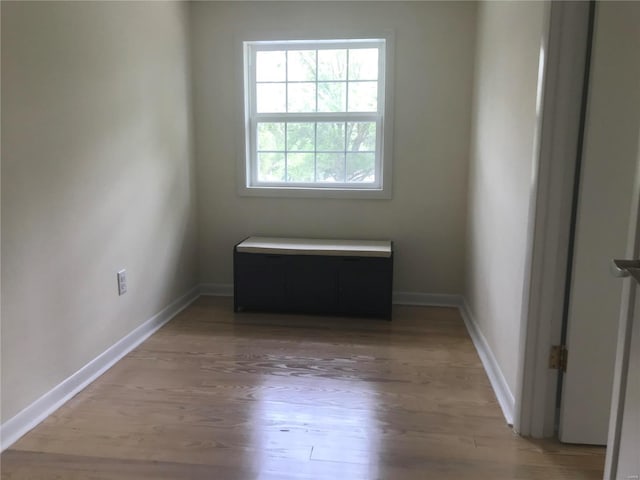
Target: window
x=315, y=115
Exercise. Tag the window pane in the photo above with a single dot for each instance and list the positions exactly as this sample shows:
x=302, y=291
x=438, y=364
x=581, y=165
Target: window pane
x=271, y=136
x=300, y=167
x=330, y=167
x=361, y=167
x=302, y=97
x=362, y=136
x=270, y=66
x=332, y=64
x=315, y=113
x=363, y=97
x=301, y=137
x=271, y=97
x=332, y=96
x=363, y=64
x=301, y=65
x=271, y=167
x=330, y=137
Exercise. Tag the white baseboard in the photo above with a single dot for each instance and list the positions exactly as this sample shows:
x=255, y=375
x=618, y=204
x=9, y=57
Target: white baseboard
x=427, y=299
x=491, y=366
x=216, y=289
x=27, y=419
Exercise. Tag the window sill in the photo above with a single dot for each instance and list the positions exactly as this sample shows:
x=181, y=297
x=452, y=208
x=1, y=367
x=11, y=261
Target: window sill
x=302, y=192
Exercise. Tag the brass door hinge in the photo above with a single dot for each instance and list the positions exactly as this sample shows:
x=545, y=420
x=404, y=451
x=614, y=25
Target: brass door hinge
x=558, y=357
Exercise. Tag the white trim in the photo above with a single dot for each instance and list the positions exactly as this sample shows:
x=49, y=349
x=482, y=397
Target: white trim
x=334, y=193
x=31, y=416
x=427, y=299
x=527, y=368
x=554, y=163
x=496, y=377
x=382, y=190
x=216, y=289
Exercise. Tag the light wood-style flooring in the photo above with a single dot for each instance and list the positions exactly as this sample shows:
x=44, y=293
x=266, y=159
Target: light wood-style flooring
x=214, y=395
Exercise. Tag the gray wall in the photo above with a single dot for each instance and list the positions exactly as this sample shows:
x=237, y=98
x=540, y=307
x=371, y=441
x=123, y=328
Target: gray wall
x=96, y=176
x=433, y=83
x=500, y=175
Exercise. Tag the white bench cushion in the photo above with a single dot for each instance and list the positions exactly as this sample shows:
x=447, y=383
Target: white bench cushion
x=312, y=246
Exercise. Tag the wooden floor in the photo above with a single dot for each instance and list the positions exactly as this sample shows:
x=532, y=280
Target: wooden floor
x=215, y=395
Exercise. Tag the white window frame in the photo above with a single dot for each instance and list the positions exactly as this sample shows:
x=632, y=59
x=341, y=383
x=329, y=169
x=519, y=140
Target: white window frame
x=249, y=185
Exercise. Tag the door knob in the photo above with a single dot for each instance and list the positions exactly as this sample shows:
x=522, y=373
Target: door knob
x=624, y=268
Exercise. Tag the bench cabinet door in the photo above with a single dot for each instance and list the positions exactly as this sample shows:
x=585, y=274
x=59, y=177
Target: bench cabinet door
x=364, y=286
x=260, y=280
x=311, y=284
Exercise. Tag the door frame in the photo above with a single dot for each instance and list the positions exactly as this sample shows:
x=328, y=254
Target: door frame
x=565, y=50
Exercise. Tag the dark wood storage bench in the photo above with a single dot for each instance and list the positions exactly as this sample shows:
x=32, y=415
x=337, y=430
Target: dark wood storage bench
x=342, y=277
